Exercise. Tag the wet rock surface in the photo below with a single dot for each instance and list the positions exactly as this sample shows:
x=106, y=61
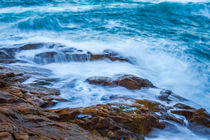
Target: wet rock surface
x=22, y=116
x=74, y=55
x=65, y=54
x=168, y=96
x=134, y=121
x=128, y=81
x=30, y=46
x=197, y=116
x=6, y=57
x=199, y=119
x=25, y=113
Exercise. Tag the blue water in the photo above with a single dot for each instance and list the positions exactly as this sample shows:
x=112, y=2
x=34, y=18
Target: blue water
x=170, y=40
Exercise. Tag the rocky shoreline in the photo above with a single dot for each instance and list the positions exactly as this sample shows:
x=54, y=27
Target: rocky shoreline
x=23, y=115
x=25, y=112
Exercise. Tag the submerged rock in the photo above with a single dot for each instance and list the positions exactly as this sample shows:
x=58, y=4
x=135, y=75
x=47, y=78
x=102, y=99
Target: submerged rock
x=6, y=57
x=44, y=81
x=128, y=81
x=110, y=55
x=199, y=119
x=168, y=96
x=100, y=80
x=46, y=57
x=198, y=116
x=183, y=106
x=31, y=46
x=74, y=55
x=61, y=54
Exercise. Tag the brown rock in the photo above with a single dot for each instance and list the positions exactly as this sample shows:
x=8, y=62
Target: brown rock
x=22, y=136
x=5, y=136
x=183, y=106
x=26, y=109
x=31, y=46
x=198, y=116
x=108, y=55
x=68, y=114
x=150, y=105
x=132, y=82
x=39, y=91
x=201, y=117
x=9, y=78
x=128, y=81
x=21, y=116
x=115, y=122
x=50, y=98
x=2, y=84
x=48, y=104
x=74, y=55
x=89, y=111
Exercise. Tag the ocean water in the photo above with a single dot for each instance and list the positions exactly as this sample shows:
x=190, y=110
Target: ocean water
x=169, y=39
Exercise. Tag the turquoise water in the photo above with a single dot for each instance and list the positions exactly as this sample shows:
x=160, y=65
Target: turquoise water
x=170, y=40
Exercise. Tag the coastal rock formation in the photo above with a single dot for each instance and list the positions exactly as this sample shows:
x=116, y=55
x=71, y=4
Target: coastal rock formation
x=128, y=81
x=63, y=54
x=198, y=116
x=22, y=116
x=23, y=113
x=74, y=55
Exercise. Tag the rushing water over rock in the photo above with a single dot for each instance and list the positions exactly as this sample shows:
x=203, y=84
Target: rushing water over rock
x=67, y=42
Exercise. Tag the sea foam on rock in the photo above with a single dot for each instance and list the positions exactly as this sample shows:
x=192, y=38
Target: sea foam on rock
x=22, y=115
x=22, y=118
x=55, y=53
x=74, y=55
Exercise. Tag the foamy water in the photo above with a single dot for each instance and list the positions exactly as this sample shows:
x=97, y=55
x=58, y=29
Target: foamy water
x=168, y=39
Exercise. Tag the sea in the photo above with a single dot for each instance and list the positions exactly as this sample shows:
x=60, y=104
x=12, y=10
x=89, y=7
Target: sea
x=169, y=41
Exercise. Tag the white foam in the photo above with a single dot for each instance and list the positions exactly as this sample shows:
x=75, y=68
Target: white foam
x=48, y=8
x=178, y=1
x=154, y=62
x=178, y=133
x=88, y=69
